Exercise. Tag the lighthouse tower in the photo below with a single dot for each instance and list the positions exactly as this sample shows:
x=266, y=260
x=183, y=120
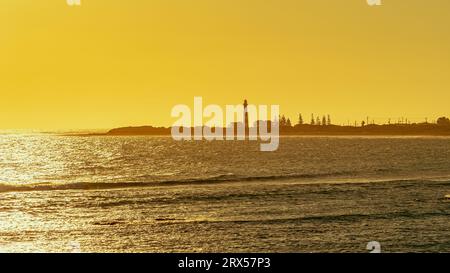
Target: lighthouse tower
x=246, y=124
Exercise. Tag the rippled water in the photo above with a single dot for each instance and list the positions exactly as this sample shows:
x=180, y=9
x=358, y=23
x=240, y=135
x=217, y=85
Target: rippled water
x=152, y=194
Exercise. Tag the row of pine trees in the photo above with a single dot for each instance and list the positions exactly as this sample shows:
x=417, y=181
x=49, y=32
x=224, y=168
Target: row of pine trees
x=286, y=122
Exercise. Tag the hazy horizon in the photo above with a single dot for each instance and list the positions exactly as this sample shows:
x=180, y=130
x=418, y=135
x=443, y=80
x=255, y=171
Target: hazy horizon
x=294, y=121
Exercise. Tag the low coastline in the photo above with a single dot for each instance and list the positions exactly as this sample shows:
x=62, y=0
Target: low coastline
x=424, y=129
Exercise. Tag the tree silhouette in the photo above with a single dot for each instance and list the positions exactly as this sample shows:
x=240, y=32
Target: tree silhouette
x=328, y=120
x=324, y=121
x=288, y=123
x=443, y=121
x=300, y=119
x=312, y=120
x=317, y=121
x=283, y=121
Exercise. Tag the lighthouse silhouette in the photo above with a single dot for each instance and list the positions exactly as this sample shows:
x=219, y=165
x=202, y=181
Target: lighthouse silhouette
x=246, y=124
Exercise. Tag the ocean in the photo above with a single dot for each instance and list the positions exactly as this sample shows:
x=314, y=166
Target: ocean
x=154, y=194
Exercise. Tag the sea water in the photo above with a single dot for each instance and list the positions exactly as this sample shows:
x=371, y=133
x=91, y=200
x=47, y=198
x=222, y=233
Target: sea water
x=154, y=194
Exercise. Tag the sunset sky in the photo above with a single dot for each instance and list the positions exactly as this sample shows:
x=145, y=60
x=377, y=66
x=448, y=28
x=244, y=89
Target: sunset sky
x=111, y=63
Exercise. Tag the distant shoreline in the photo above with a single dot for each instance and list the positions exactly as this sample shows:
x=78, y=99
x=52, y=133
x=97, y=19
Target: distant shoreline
x=423, y=129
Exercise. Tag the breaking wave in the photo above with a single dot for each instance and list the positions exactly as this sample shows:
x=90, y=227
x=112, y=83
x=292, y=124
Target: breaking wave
x=341, y=178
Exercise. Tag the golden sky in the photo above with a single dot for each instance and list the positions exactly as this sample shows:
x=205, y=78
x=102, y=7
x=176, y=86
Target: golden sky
x=111, y=63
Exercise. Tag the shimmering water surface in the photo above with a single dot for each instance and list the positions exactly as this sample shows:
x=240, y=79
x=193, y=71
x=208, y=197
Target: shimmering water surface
x=153, y=194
